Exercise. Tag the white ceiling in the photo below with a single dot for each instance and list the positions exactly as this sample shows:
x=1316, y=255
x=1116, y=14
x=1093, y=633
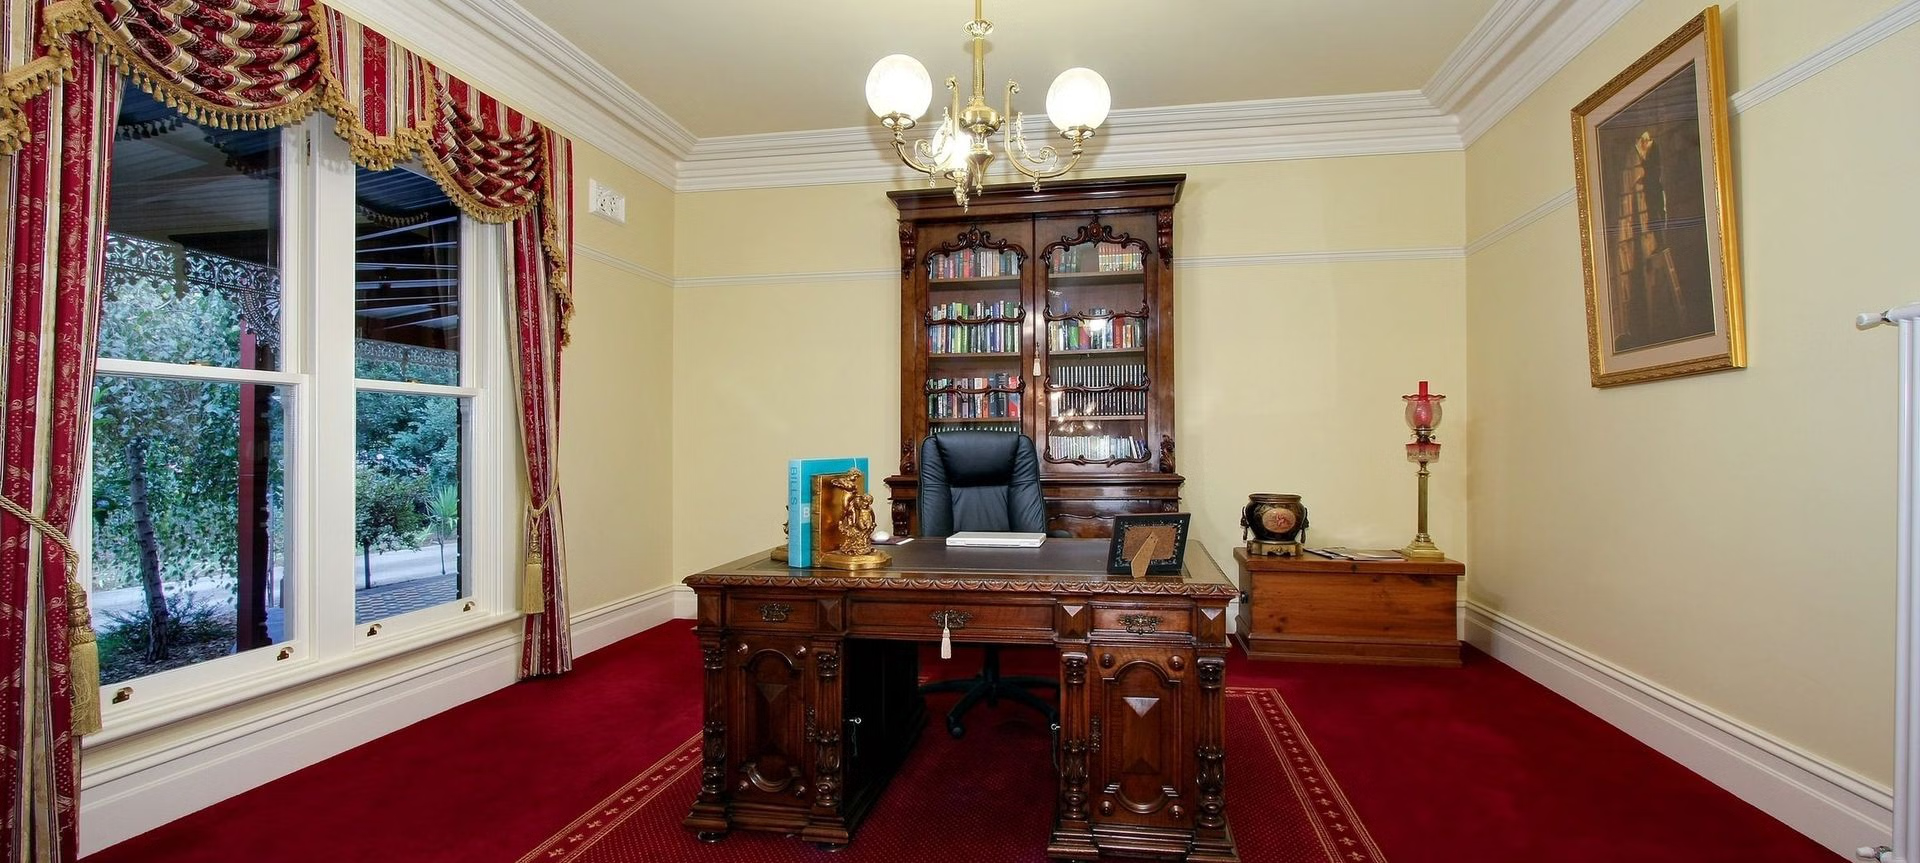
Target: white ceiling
x=734, y=67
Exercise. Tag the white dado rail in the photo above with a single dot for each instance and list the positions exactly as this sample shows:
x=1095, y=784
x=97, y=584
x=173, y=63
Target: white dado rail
x=1906, y=740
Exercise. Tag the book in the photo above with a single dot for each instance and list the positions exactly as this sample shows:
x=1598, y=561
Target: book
x=800, y=474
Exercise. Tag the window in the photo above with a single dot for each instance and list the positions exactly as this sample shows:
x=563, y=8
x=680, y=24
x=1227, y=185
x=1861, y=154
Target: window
x=299, y=412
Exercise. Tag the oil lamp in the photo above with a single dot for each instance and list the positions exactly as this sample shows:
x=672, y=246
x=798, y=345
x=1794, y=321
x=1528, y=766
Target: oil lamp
x=1423, y=416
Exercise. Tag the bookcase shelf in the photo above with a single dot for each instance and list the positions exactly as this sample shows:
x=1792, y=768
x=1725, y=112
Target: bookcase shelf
x=1078, y=278
x=1085, y=352
x=1110, y=277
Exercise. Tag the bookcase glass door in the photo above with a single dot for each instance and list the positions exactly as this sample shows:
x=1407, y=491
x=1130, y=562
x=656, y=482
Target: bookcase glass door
x=1097, y=388
x=974, y=331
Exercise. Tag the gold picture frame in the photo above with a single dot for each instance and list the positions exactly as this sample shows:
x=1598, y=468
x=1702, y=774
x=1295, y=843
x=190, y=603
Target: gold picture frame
x=1653, y=175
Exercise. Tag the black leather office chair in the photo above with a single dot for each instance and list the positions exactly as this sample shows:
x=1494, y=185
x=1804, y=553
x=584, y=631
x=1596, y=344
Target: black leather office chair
x=982, y=480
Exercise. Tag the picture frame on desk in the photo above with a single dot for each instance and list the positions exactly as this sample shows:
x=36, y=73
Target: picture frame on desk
x=1167, y=531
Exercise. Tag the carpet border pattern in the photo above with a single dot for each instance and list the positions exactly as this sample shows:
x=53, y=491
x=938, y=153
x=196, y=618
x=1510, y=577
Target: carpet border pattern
x=1342, y=836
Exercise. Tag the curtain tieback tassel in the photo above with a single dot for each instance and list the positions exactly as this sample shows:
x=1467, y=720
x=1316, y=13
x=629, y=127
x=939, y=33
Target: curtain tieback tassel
x=83, y=653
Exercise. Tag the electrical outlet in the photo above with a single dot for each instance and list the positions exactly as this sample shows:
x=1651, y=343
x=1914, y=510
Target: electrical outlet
x=606, y=203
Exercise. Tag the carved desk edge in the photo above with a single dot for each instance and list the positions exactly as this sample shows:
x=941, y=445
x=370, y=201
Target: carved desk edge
x=1204, y=579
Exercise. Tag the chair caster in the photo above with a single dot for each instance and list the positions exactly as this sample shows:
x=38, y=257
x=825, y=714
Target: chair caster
x=710, y=836
x=830, y=847
x=955, y=729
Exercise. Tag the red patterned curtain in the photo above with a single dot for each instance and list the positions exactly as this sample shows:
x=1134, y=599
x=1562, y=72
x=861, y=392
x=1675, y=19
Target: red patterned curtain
x=235, y=64
x=56, y=188
x=547, y=646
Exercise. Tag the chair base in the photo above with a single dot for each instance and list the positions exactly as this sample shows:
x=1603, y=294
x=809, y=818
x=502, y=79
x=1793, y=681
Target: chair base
x=989, y=685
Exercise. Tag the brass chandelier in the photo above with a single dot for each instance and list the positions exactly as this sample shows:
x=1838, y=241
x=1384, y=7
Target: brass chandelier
x=899, y=91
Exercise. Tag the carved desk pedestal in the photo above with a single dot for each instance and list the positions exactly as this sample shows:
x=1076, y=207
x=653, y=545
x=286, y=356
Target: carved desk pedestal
x=812, y=703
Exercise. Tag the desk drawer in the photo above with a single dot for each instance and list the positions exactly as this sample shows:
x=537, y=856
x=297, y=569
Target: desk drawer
x=974, y=619
x=1148, y=620
x=780, y=613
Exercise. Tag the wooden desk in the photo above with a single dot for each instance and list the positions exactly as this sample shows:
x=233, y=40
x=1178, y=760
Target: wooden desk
x=799, y=660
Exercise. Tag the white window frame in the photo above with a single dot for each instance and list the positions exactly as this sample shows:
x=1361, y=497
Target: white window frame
x=318, y=387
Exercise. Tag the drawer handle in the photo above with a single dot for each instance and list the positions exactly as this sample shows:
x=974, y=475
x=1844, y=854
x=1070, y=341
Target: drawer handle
x=952, y=619
x=1141, y=624
x=775, y=612
x=949, y=621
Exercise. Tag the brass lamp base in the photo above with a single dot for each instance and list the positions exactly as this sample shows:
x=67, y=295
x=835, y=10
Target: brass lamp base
x=1422, y=548
x=1274, y=549
x=870, y=560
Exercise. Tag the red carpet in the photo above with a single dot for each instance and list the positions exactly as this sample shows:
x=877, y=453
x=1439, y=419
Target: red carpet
x=1002, y=812
x=1468, y=765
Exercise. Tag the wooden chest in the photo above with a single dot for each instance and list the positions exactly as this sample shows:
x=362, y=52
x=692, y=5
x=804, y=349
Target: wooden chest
x=1317, y=609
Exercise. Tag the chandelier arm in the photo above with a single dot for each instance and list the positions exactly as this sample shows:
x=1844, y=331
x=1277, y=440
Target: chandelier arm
x=905, y=150
x=1047, y=153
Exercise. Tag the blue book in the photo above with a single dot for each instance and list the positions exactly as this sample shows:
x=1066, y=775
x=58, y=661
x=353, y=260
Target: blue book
x=800, y=474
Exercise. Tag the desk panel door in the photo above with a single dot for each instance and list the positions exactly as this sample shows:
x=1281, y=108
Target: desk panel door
x=1143, y=699
x=770, y=700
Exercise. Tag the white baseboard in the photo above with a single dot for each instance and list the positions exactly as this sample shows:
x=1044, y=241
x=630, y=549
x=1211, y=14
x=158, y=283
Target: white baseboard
x=1828, y=804
x=202, y=771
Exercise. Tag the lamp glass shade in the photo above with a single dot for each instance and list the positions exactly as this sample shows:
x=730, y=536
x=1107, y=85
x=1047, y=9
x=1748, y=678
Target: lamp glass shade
x=1423, y=411
x=1079, y=98
x=898, y=84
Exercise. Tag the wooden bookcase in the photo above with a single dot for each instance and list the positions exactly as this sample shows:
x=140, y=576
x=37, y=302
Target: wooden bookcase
x=1049, y=313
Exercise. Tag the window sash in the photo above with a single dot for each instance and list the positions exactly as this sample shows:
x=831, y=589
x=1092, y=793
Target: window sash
x=319, y=388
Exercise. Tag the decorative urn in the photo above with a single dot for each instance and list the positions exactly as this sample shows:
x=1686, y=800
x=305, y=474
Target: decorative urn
x=1274, y=524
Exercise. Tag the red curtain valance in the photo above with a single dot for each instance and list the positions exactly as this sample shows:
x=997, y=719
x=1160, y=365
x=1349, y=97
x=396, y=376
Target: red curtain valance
x=255, y=64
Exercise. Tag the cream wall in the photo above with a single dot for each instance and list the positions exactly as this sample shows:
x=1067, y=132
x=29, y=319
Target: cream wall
x=1728, y=536
x=616, y=431
x=1289, y=373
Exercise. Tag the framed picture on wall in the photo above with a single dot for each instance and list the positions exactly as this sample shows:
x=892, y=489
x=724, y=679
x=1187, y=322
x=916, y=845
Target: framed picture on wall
x=1653, y=176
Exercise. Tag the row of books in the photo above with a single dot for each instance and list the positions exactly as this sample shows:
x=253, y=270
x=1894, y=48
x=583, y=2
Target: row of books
x=950, y=311
x=981, y=426
x=950, y=405
x=1000, y=338
x=1108, y=258
x=1102, y=375
x=1096, y=333
x=1071, y=406
x=1096, y=447
x=974, y=263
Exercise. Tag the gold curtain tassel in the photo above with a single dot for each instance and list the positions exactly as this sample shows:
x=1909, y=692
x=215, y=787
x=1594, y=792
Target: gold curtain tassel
x=83, y=663
x=533, y=594
x=83, y=655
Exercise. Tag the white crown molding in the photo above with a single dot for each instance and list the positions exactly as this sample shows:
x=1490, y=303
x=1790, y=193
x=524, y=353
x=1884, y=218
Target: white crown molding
x=1895, y=19
x=1515, y=49
x=1255, y=131
x=1827, y=803
x=518, y=58
x=622, y=264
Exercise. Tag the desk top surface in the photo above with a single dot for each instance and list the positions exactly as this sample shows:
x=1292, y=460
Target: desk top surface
x=1058, y=565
